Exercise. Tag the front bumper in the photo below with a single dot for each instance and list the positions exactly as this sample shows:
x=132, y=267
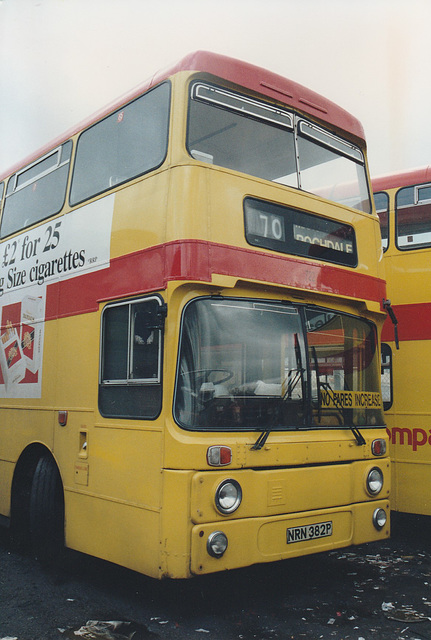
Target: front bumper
x=258, y=540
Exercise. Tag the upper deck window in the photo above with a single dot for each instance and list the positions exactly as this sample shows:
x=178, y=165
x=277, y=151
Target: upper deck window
x=262, y=140
x=37, y=191
x=413, y=217
x=1, y=190
x=381, y=200
x=331, y=167
x=245, y=135
x=126, y=144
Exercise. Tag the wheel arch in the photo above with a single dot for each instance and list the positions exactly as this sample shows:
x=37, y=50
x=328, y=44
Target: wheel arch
x=22, y=481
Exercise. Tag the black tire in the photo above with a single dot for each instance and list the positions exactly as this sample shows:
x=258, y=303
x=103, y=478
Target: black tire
x=47, y=511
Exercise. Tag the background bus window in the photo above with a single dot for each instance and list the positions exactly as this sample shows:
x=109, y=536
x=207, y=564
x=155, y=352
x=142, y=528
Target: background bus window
x=387, y=393
x=126, y=144
x=382, y=208
x=36, y=192
x=413, y=217
x=130, y=384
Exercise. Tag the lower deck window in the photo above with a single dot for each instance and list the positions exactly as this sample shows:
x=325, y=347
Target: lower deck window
x=130, y=371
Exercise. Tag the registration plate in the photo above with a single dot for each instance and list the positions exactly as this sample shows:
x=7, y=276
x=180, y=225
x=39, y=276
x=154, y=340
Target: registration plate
x=309, y=532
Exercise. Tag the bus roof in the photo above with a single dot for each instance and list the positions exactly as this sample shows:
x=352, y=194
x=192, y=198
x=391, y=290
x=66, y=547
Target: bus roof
x=241, y=73
x=402, y=179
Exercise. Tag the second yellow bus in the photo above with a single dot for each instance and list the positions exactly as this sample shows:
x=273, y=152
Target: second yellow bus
x=403, y=202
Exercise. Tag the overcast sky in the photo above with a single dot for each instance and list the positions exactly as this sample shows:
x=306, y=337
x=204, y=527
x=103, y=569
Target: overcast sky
x=61, y=60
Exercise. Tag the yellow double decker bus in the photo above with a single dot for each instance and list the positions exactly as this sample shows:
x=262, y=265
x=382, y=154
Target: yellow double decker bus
x=403, y=202
x=190, y=316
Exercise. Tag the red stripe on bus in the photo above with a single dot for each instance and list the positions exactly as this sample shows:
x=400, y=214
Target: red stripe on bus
x=402, y=179
x=414, y=322
x=151, y=269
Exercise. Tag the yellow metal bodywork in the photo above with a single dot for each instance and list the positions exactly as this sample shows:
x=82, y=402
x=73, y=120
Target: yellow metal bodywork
x=140, y=492
x=274, y=499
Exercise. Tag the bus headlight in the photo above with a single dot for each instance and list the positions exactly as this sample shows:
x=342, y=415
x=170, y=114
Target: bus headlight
x=216, y=544
x=379, y=519
x=374, y=481
x=228, y=496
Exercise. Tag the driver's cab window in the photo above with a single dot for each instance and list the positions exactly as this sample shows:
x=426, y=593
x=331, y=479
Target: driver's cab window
x=131, y=357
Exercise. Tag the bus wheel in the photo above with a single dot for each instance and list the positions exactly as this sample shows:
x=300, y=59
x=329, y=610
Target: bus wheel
x=47, y=511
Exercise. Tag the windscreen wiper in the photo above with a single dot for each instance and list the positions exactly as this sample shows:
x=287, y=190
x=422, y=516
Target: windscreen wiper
x=291, y=384
x=358, y=435
x=260, y=442
x=325, y=385
x=318, y=385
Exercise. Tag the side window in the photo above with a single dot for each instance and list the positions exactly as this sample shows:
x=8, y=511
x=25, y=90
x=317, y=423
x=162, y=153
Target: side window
x=37, y=191
x=387, y=388
x=1, y=191
x=381, y=200
x=126, y=144
x=413, y=217
x=131, y=359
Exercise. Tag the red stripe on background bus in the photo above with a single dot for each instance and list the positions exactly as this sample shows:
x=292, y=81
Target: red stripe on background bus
x=414, y=438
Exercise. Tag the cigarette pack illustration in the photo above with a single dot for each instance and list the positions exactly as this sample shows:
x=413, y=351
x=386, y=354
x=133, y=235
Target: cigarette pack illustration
x=31, y=332
x=11, y=357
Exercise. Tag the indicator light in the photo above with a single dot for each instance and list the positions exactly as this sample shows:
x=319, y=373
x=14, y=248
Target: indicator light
x=62, y=418
x=219, y=456
x=378, y=447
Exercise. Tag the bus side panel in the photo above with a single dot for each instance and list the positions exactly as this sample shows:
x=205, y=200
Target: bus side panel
x=412, y=488
x=409, y=426
x=410, y=364
x=19, y=428
x=110, y=467
x=122, y=533
x=141, y=222
x=112, y=495
x=409, y=418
